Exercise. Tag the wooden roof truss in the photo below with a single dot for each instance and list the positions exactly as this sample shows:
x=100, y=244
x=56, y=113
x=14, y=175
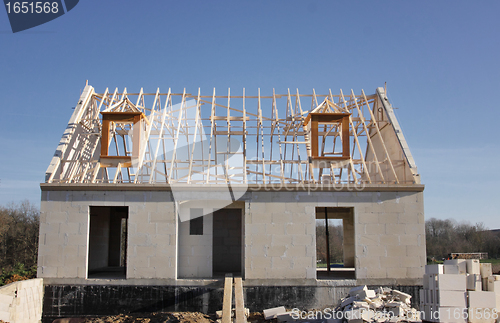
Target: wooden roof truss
x=233, y=139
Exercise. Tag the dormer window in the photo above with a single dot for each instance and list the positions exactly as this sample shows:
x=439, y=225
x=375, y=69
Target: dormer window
x=125, y=120
x=334, y=124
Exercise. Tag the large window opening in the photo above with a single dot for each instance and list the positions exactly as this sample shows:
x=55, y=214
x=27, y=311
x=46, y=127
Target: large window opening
x=335, y=252
x=108, y=242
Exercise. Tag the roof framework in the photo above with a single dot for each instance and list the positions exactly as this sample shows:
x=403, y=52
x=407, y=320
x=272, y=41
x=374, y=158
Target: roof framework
x=233, y=139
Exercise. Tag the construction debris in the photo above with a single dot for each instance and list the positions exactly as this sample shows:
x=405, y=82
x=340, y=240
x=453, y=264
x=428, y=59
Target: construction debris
x=380, y=305
x=359, y=306
x=272, y=313
x=218, y=314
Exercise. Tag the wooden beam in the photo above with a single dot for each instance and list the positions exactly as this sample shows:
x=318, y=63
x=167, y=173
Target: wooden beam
x=228, y=296
x=239, y=300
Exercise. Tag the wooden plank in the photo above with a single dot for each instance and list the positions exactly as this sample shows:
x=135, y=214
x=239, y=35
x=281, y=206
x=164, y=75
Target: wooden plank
x=239, y=300
x=160, y=135
x=261, y=126
x=345, y=137
x=228, y=296
x=244, y=139
x=212, y=136
x=369, y=144
x=194, y=137
x=176, y=140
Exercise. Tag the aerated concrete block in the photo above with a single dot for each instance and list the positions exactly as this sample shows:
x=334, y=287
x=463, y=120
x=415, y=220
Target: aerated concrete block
x=461, y=263
x=451, y=269
x=429, y=281
x=274, y=312
x=366, y=294
x=403, y=297
x=481, y=299
x=473, y=267
x=494, y=284
x=356, y=290
x=474, y=283
x=434, y=269
x=451, y=282
x=485, y=270
x=484, y=281
x=427, y=313
x=451, y=298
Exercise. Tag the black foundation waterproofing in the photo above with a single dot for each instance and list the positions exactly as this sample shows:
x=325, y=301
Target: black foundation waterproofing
x=62, y=301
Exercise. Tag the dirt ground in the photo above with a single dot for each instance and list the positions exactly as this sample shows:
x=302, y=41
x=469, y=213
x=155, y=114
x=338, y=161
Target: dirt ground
x=177, y=317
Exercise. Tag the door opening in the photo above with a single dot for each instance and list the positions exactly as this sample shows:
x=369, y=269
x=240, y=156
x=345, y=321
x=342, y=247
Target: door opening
x=335, y=251
x=227, y=242
x=107, y=256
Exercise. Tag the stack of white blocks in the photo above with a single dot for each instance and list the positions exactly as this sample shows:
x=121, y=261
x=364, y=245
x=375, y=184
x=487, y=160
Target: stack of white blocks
x=460, y=290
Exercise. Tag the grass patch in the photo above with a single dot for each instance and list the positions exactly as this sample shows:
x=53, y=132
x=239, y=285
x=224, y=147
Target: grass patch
x=491, y=261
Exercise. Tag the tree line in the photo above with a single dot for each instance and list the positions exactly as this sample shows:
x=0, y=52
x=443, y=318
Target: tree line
x=446, y=236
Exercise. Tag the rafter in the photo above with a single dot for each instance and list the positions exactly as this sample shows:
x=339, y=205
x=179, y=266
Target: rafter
x=190, y=138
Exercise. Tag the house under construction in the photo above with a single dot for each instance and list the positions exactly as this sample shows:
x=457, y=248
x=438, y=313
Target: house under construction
x=151, y=198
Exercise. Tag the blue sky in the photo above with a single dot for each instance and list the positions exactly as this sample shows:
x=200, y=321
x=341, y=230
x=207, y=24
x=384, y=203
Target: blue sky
x=439, y=59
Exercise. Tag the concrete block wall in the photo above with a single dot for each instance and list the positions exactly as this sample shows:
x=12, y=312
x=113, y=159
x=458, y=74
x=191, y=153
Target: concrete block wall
x=388, y=227
x=279, y=237
x=195, y=251
x=22, y=301
x=64, y=227
x=390, y=236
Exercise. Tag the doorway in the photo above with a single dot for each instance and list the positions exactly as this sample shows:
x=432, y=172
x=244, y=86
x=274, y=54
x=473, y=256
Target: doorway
x=108, y=242
x=335, y=252
x=227, y=242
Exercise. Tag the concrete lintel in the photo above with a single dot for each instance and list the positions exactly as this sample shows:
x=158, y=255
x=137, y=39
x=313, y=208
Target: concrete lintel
x=251, y=188
x=210, y=282
x=219, y=282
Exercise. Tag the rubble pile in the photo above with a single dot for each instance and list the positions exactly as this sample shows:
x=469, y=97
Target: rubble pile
x=380, y=305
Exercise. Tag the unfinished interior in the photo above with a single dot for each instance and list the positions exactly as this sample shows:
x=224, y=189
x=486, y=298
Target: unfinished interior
x=173, y=188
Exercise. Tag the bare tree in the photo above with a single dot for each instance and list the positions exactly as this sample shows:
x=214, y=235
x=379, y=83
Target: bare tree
x=19, y=224
x=336, y=239
x=446, y=236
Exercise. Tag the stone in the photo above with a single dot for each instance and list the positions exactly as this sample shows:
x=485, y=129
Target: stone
x=272, y=313
x=403, y=297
